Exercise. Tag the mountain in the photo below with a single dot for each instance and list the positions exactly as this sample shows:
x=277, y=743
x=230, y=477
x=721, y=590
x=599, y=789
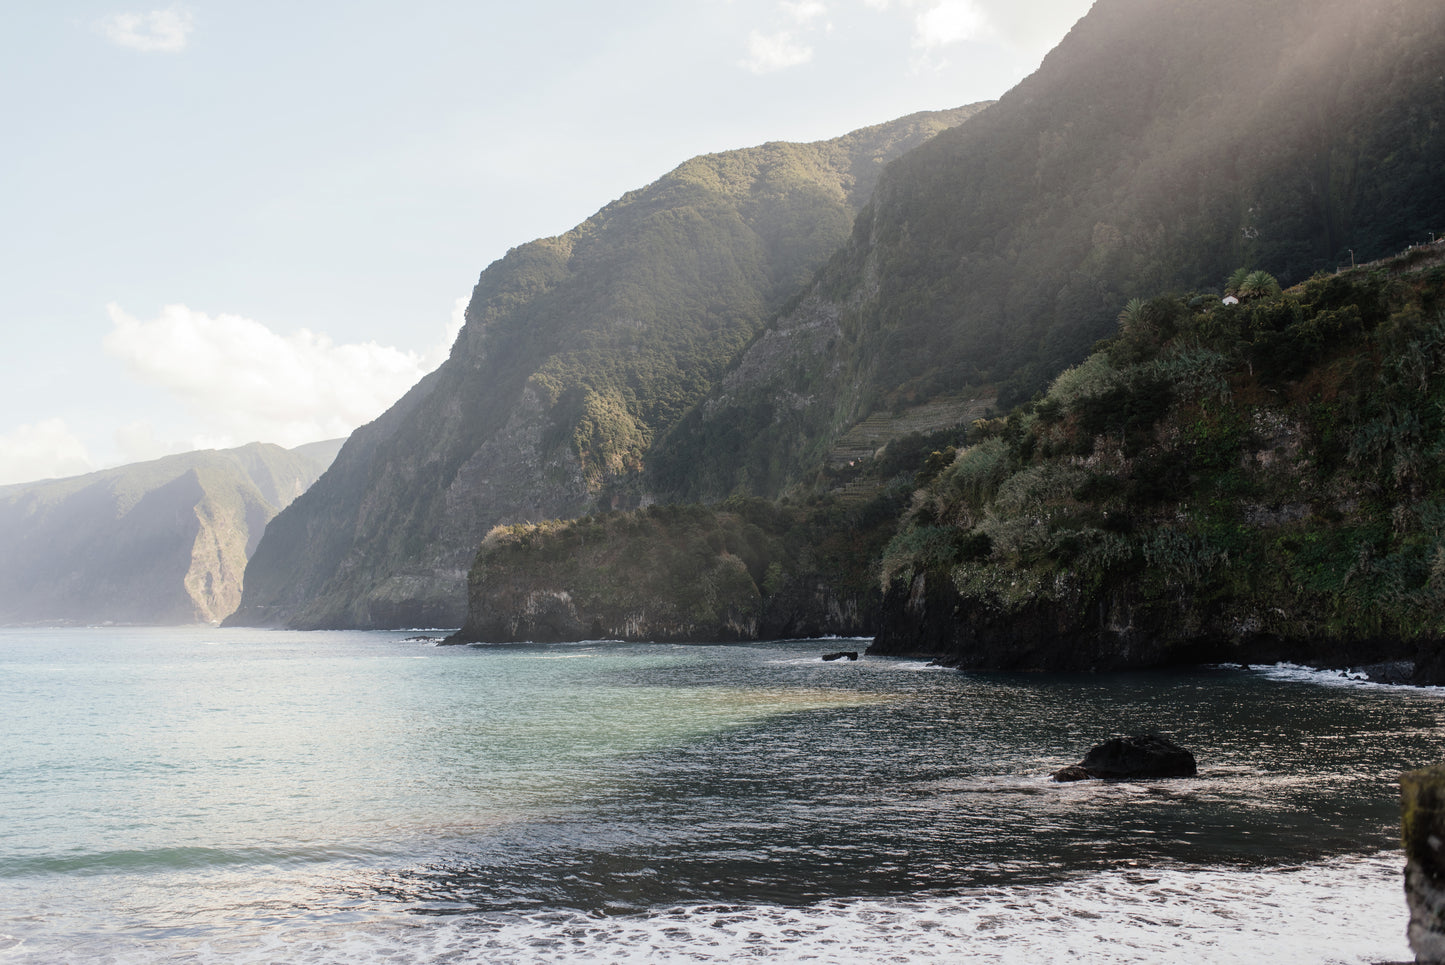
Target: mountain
x=577, y=353
x=1249, y=483
x=675, y=347
x=1253, y=482
x=160, y=542
x=1160, y=146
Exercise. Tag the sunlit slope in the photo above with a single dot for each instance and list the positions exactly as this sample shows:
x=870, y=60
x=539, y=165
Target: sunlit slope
x=578, y=351
x=1160, y=146
x=158, y=542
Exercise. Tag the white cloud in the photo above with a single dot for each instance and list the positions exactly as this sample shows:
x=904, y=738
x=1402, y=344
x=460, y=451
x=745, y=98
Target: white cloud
x=43, y=450
x=777, y=51
x=166, y=31
x=944, y=22
x=783, y=48
x=950, y=22
x=242, y=382
x=805, y=11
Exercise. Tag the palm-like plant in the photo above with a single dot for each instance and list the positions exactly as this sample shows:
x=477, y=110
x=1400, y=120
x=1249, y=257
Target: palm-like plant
x=1236, y=281
x=1258, y=284
x=1134, y=315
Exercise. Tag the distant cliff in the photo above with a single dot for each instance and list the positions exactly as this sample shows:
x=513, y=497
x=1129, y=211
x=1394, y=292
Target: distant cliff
x=578, y=351
x=161, y=542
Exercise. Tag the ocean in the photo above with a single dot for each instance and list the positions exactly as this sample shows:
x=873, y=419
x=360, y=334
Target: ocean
x=232, y=795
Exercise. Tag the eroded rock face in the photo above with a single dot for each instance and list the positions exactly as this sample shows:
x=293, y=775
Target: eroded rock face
x=1125, y=758
x=1123, y=627
x=1422, y=813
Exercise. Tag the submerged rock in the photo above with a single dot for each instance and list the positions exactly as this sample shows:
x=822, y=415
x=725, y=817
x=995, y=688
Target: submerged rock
x=1071, y=773
x=842, y=655
x=1123, y=758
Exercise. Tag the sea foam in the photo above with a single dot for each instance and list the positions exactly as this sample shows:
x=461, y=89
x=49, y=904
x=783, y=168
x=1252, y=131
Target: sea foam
x=1348, y=910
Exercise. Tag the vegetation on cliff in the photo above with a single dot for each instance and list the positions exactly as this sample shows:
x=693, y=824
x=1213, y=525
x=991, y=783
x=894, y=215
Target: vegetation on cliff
x=674, y=348
x=1157, y=148
x=745, y=569
x=578, y=351
x=1247, y=482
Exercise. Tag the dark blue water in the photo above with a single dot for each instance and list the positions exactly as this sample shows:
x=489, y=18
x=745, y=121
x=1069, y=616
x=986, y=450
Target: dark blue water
x=235, y=795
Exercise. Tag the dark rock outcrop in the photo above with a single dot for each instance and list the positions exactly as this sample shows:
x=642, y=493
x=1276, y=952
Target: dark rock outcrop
x=1125, y=758
x=841, y=655
x=1126, y=629
x=928, y=618
x=1422, y=820
x=1074, y=772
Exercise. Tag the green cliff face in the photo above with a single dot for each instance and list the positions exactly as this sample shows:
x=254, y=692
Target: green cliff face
x=1249, y=482
x=161, y=542
x=577, y=353
x=744, y=570
x=1160, y=146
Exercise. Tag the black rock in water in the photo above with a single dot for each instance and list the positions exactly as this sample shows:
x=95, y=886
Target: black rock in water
x=1073, y=772
x=842, y=655
x=1121, y=758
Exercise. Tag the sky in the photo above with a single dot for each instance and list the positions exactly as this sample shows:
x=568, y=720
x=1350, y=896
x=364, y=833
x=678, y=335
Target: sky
x=224, y=222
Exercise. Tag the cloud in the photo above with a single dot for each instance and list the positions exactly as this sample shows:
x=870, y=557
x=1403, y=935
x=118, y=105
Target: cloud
x=943, y=22
x=950, y=22
x=164, y=31
x=782, y=48
x=44, y=450
x=776, y=51
x=804, y=11
x=242, y=382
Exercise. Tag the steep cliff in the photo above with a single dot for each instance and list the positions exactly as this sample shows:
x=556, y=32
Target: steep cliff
x=1249, y=482
x=159, y=542
x=1158, y=147
x=578, y=351
x=744, y=570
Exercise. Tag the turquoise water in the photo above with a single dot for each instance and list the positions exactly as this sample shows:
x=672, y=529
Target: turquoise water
x=238, y=795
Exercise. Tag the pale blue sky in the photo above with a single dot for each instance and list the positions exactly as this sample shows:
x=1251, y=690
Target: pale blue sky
x=226, y=221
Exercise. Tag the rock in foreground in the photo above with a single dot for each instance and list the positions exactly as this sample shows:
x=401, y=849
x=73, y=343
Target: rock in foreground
x=1123, y=758
x=1422, y=807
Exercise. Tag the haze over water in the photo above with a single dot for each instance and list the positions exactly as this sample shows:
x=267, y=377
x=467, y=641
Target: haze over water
x=240, y=795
